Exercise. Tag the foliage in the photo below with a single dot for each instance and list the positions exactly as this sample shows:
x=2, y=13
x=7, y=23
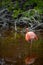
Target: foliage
x=18, y=6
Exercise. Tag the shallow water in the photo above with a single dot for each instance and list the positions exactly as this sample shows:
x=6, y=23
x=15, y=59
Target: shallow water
x=14, y=49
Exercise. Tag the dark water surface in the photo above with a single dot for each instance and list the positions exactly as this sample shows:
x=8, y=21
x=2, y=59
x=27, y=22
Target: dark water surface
x=14, y=49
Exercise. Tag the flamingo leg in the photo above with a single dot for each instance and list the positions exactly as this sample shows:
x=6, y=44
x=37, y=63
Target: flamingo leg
x=31, y=43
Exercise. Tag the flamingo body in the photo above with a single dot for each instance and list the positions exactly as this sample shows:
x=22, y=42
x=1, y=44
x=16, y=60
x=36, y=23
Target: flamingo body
x=31, y=36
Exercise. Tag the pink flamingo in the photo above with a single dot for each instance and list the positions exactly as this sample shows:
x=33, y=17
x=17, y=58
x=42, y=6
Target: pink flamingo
x=30, y=36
